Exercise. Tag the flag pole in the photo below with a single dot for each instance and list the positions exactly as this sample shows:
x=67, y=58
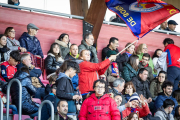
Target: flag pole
x=126, y=47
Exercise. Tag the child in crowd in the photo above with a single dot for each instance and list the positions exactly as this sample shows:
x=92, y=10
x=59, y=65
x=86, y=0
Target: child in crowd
x=129, y=89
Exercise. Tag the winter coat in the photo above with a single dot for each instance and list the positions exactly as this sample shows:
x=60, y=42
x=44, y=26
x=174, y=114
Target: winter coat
x=150, y=62
x=51, y=64
x=104, y=108
x=143, y=111
x=160, y=63
x=64, y=87
x=163, y=115
x=32, y=46
x=5, y=53
x=115, y=92
x=69, y=57
x=142, y=87
x=64, y=47
x=150, y=75
x=128, y=72
x=161, y=98
x=28, y=106
x=105, y=50
x=46, y=109
x=57, y=117
x=89, y=72
x=109, y=75
x=121, y=60
x=155, y=88
x=92, y=49
x=13, y=44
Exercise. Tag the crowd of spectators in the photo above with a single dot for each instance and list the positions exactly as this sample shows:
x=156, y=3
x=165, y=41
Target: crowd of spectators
x=129, y=86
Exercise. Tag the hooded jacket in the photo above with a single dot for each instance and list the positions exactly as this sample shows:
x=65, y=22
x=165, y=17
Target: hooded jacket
x=64, y=47
x=51, y=64
x=28, y=106
x=163, y=115
x=92, y=49
x=104, y=108
x=32, y=45
x=89, y=72
x=64, y=87
x=161, y=98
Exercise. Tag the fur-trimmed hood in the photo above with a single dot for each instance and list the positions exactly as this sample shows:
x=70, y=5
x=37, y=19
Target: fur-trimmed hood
x=63, y=43
x=60, y=59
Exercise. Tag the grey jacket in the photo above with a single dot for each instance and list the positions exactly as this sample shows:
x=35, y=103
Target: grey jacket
x=6, y=55
x=13, y=44
x=92, y=49
x=163, y=115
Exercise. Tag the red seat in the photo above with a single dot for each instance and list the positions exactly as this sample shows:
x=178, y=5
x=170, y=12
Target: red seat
x=4, y=111
x=36, y=118
x=36, y=100
x=15, y=117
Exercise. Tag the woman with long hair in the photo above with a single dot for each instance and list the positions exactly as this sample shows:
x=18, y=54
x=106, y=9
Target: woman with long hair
x=12, y=43
x=89, y=72
x=156, y=84
x=133, y=116
x=64, y=43
x=130, y=69
x=4, y=51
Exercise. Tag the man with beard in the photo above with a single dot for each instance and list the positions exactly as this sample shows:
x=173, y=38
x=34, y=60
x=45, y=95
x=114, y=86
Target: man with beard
x=167, y=88
x=144, y=63
x=62, y=109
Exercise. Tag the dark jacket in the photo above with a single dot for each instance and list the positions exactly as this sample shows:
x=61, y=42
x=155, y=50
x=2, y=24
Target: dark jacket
x=161, y=98
x=115, y=92
x=32, y=45
x=121, y=60
x=105, y=50
x=128, y=72
x=51, y=64
x=155, y=88
x=150, y=74
x=57, y=117
x=69, y=57
x=142, y=87
x=64, y=87
x=28, y=106
x=92, y=49
x=46, y=109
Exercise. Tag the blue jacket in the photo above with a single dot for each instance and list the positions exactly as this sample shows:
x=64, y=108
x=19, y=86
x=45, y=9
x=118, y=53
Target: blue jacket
x=28, y=106
x=32, y=46
x=161, y=98
x=75, y=81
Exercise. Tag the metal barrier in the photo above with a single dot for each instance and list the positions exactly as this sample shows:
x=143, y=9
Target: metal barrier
x=52, y=109
x=20, y=98
x=1, y=109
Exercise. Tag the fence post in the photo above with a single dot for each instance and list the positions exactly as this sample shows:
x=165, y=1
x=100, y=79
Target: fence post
x=1, y=109
x=52, y=109
x=20, y=98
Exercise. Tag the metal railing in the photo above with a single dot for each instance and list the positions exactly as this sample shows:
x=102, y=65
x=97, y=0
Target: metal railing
x=52, y=109
x=79, y=17
x=1, y=109
x=20, y=98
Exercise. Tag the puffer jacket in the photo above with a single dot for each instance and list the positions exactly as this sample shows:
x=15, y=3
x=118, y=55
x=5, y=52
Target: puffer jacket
x=104, y=108
x=142, y=87
x=92, y=49
x=128, y=72
x=64, y=47
x=13, y=44
x=89, y=72
x=163, y=115
x=51, y=64
x=121, y=61
x=28, y=106
x=32, y=46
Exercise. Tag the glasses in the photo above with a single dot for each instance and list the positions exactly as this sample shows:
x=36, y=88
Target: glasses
x=145, y=59
x=13, y=31
x=100, y=87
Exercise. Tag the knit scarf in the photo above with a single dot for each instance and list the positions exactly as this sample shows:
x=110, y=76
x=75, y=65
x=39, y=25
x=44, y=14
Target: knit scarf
x=136, y=110
x=114, y=68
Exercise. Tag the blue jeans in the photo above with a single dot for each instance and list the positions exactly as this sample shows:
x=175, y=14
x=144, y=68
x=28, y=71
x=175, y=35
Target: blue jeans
x=40, y=93
x=173, y=75
x=14, y=109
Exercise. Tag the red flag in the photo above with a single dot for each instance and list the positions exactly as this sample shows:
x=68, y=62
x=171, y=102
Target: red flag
x=150, y=1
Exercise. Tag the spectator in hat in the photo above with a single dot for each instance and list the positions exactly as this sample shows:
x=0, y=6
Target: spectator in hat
x=171, y=25
x=29, y=41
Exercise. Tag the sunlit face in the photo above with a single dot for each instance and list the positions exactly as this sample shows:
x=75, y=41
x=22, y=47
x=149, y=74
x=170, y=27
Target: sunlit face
x=11, y=33
x=56, y=49
x=63, y=108
x=159, y=52
x=118, y=100
x=145, y=60
x=66, y=39
x=115, y=45
x=34, y=31
x=161, y=77
x=135, y=103
x=135, y=117
x=164, y=25
x=131, y=49
x=3, y=41
x=99, y=89
x=144, y=48
x=172, y=27
x=74, y=50
x=27, y=61
x=90, y=40
x=168, y=90
x=129, y=90
x=86, y=55
x=144, y=75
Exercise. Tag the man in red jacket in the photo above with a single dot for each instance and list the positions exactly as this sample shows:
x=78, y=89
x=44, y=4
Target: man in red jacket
x=173, y=61
x=99, y=106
